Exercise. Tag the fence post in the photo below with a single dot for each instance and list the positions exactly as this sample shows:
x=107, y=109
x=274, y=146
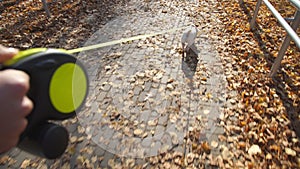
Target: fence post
x=45, y=6
x=252, y=23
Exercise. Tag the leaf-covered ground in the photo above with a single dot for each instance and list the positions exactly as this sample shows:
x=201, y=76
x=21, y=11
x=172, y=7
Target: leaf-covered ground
x=266, y=117
x=24, y=24
x=262, y=128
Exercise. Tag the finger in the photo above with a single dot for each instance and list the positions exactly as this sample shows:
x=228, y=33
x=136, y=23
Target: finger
x=10, y=131
x=7, y=143
x=17, y=127
x=16, y=82
x=7, y=53
x=26, y=107
x=21, y=126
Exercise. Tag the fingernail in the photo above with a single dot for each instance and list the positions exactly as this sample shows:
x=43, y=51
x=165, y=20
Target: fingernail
x=12, y=50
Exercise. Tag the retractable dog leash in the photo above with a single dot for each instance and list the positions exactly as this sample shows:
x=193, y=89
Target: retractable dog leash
x=58, y=88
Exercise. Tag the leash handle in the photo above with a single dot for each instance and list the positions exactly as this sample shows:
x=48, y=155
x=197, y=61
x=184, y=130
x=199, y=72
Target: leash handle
x=58, y=88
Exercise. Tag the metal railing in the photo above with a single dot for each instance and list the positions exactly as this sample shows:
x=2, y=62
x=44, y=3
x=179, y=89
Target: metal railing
x=290, y=29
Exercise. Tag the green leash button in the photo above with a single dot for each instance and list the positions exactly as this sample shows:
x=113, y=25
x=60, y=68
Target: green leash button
x=68, y=87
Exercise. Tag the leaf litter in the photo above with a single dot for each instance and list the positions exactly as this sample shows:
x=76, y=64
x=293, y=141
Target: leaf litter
x=260, y=130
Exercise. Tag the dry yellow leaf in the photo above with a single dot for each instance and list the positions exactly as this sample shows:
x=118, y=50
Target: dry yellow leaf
x=25, y=164
x=290, y=152
x=254, y=149
x=205, y=146
x=269, y=156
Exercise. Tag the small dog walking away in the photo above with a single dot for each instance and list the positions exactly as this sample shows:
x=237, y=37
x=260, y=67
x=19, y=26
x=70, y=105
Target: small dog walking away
x=188, y=38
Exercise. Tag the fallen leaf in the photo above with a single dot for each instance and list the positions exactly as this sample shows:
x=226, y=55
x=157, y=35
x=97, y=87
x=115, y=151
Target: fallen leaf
x=242, y=144
x=206, y=111
x=254, y=149
x=214, y=144
x=4, y=159
x=269, y=156
x=205, y=146
x=138, y=132
x=25, y=164
x=290, y=151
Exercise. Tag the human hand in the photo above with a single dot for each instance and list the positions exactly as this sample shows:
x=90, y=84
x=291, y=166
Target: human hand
x=14, y=104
